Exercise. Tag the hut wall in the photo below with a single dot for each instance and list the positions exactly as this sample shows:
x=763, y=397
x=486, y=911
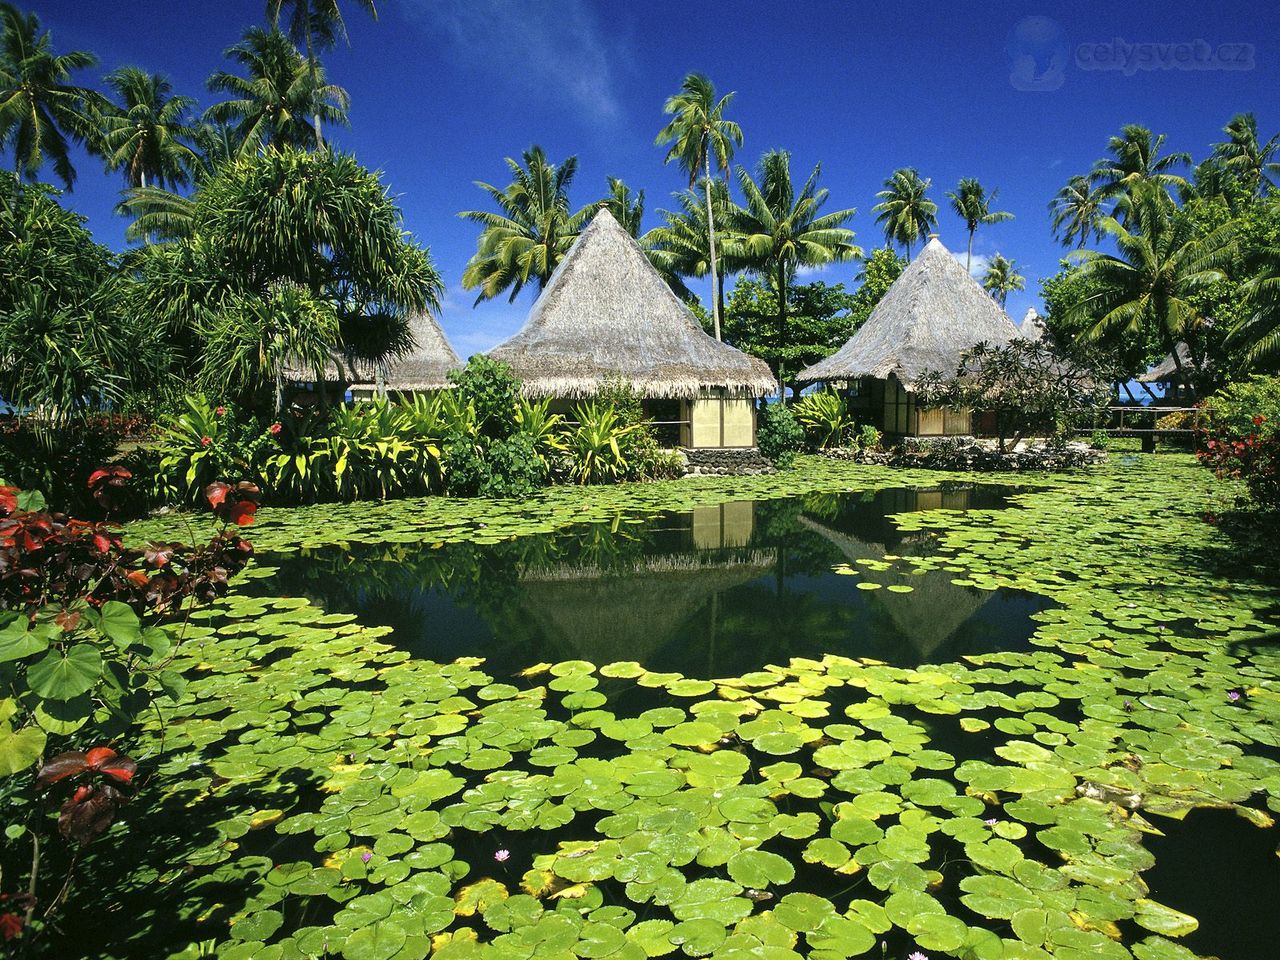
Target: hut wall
x=725, y=525
x=719, y=421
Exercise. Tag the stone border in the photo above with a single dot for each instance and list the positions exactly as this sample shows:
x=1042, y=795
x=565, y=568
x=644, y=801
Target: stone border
x=967, y=454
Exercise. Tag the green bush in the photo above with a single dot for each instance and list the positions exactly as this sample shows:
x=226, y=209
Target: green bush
x=207, y=442
x=1100, y=440
x=58, y=459
x=492, y=390
x=1242, y=437
x=516, y=469
x=597, y=446
x=826, y=418
x=466, y=469
x=869, y=438
x=780, y=435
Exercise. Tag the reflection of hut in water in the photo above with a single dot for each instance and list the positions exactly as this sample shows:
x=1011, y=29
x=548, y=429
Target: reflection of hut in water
x=629, y=612
x=930, y=615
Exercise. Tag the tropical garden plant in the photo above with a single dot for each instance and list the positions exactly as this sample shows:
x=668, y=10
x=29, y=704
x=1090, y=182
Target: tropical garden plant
x=1241, y=437
x=826, y=418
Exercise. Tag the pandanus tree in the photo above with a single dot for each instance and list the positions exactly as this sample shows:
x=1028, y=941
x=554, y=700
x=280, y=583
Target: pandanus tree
x=779, y=229
x=1076, y=212
x=1002, y=278
x=972, y=204
x=41, y=111
x=700, y=137
x=533, y=229
x=317, y=25
x=272, y=102
x=1149, y=284
x=905, y=211
x=1243, y=155
x=298, y=253
x=145, y=131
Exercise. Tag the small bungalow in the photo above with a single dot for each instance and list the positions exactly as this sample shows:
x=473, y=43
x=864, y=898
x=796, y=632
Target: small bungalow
x=931, y=315
x=1165, y=374
x=606, y=314
x=423, y=369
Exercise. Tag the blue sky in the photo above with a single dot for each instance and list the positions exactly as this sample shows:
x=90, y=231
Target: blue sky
x=1017, y=95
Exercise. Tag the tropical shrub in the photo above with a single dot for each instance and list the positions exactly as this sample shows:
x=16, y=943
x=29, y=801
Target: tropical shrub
x=545, y=429
x=87, y=627
x=207, y=442
x=516, y=468
x=1242, y=437
x=466, y=469
x=597, y=446
x=492, y=391
x=869, y=438
x=780, y=435
x=826, y=418
x=58, y=460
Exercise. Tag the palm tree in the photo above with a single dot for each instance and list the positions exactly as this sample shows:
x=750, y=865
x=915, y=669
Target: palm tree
x=905, y=210
x=272, y=103
x=1002, y=278
x=697, y=132
x=972, y=204
x=1135, y=159
x=626, y=209
x=1076, y=212
x=681, y=246
x=532, y=233
x=1150, y=285
x=316, y=24
x=780, y=229
x=1257, y=335
x=143, y=133
x=1241, y=154
x=160, y=214
x=40, y=109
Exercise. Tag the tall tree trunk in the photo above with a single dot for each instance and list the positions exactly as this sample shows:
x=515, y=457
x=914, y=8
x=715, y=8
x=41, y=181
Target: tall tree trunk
x=720, y=295
x=782, y=333
x=279, y=391
x=711, y=245
x=968, y=260
x=312, y=68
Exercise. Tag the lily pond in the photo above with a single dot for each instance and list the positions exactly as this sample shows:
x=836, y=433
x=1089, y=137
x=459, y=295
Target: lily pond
x=843, y=711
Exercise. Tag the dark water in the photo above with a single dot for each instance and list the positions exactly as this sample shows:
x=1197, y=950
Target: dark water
x=717, y=591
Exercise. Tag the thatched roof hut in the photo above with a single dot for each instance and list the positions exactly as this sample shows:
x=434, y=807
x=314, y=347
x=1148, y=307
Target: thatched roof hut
x=426, y=367
x=606, y=313
x=1166, y=371
x=932, y=314
x=1033, y=327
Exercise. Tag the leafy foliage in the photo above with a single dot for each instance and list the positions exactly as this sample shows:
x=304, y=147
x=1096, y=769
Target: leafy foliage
x=1022, y=384
x=1242, y=437
x=779, y=435
x=826, y=418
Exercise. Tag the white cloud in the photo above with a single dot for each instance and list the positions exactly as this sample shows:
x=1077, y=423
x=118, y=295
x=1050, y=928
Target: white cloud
x=979, y=265
x=805, y=270
x=557, y=48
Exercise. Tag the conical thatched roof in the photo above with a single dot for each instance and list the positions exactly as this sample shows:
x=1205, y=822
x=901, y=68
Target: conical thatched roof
x=932, y=314
x=426, y=367
x=1166, y=371
x=1032, y=327
x=606, y=313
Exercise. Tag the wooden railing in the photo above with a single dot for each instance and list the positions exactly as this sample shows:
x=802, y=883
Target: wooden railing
x=1142, y=421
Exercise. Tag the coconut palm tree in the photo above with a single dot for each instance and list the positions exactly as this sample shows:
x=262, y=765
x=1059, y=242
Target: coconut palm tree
x=628, y=210
x=972, y=204
x=533, y=231
x=697, y=133
x=272, y=103
x=1002, y=278
x=1257, y=335
x=1252, y=162
x=1076, y=212
x=681, y=246
x=145, y=131
x=905, y=210
x=1136, y=159
x=780, y=229
x=41, y=110
x=1149, y=285
x=316, y=24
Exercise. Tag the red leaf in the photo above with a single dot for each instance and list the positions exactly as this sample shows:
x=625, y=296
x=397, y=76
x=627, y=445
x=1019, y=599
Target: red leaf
x=67, y=620
x=217, y=492
x=88, y=814
x=64, y=765
x=102, y=543
x=96, y=476
x=138, y=578
x=97, y=756
x=241, y=514
x=121, y=769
